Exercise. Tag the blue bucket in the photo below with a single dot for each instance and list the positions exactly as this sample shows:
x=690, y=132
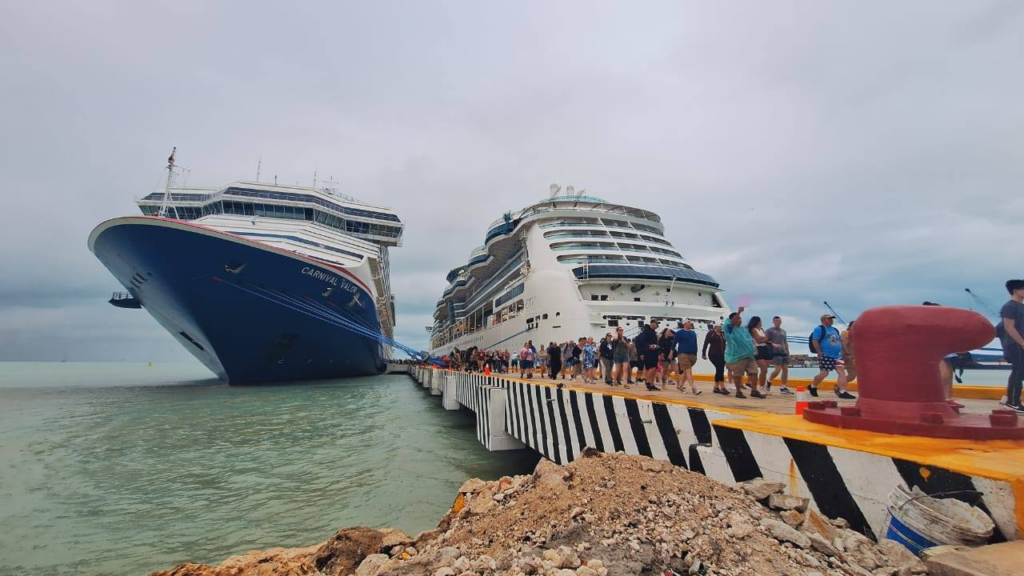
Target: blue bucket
x=910, y=538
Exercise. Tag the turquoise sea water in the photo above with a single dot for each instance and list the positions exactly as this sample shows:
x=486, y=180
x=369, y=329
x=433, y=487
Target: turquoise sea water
x=123, y=469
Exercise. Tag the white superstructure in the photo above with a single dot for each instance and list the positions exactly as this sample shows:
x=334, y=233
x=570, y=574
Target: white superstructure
x=569, y=266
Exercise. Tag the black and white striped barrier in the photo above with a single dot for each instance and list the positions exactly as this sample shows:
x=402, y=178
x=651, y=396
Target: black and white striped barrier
x=841, y=482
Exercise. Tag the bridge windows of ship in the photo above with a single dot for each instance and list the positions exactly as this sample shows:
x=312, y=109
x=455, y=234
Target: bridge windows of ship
x=263, y=209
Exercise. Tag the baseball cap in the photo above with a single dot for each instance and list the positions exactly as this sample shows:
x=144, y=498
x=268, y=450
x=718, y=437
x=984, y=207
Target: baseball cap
x=823, y=316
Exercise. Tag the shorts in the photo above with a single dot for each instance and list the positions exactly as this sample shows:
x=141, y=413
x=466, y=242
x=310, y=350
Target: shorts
x=624, y=359
x=764, y=353
x=827, y=364
x=541, y=362
x=526, y=364
x=780, y=359
x=686, y=361
x=737, y=368
x=650, y=360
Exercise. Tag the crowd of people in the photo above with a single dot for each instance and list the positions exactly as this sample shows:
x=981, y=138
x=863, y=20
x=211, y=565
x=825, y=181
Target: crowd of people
x=735, y=348
x=654, y=358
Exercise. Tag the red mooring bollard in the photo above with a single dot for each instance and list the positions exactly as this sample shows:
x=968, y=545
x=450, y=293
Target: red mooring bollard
x=898, y=353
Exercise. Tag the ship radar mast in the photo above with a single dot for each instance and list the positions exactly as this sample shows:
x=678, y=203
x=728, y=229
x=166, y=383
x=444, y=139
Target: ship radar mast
x=167, y=185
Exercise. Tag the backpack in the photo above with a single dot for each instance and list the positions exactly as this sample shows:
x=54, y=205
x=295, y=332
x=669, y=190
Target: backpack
x=810, y=339
x=1000, y=330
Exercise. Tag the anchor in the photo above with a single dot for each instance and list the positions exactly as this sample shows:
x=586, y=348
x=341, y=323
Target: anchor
x=898, y=353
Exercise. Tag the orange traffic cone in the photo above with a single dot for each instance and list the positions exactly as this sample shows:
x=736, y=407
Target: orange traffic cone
x=801, y=400
x=487, y=370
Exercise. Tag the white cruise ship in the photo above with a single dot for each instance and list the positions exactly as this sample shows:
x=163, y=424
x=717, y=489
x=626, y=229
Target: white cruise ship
x=568, y=266
x=260, y=282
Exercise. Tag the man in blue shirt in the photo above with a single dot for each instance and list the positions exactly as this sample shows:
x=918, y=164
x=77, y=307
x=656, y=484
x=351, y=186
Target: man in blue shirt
x=828, y=343
x=739, y=355
x=684, y=350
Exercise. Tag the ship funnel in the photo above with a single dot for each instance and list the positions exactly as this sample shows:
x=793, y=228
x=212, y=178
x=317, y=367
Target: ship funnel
x=570, y=190
x=554, y=190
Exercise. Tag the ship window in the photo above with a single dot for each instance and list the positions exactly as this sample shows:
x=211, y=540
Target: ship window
x=593, y=297
x=636, y=299
x=613, y=323
x=604, y=297
x=545, y=316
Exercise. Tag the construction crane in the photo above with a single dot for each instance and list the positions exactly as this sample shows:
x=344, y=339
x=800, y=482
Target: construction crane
x=836, y=314
x=982, y=303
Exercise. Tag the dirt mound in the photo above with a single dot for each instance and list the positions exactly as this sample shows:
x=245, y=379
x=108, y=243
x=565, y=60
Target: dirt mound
x=603, y=515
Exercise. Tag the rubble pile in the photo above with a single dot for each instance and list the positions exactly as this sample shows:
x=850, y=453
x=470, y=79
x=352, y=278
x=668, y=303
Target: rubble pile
x=603, y=515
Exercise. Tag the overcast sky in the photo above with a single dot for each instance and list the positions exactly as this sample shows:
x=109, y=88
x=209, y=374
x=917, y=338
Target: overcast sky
x=864, y=153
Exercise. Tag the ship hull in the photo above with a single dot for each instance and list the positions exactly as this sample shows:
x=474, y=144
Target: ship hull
x=250, y=312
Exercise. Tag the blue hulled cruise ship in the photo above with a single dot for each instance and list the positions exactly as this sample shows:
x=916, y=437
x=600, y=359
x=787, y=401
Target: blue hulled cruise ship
x=260, y=282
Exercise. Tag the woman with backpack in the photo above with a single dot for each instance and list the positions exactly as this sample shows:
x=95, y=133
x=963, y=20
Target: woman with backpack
x=526, y=356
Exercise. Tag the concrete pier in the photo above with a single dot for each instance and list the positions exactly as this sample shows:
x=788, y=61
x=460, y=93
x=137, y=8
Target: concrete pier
x=845, y=473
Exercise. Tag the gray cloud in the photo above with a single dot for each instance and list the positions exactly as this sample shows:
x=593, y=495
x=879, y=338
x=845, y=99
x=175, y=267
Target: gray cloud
x=861, y=153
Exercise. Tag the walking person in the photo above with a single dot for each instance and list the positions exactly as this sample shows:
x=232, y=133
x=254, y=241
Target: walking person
x=526, y=355
x=827, y=343
x=589, y=358
x=577, y=357
x=780, y=355
x=714, y=351
x=566, y=360
x=763, y=354
x=648, y=350
x=554, y=359
x=605, y=352
x=849, y=359
x=620, y=358
x=739, y=355
x=1011, y=335
x=541, y=363
x=684, y=349
x=666, y=366
x=634, y=362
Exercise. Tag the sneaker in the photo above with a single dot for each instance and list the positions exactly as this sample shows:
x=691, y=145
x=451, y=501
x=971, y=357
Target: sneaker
x=768, y=387
x=1018, y=408
x=846, y=396
x=813, y=390
x=785, y=390
x=756, y=394
x=740, y=394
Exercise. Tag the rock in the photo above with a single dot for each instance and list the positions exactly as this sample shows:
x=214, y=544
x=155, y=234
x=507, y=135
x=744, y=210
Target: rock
x=553, y=557
x=648, y=465
x=586, y=571
x=787, y=502
x=739, y=527
x=792, y=517
x=760, y=489
x=344, y=551
x=462, y=564
x=784, y=533
x=815, y=523
x=498, y=497
x=447, y=556
x=824, y=546
x=445, y=571
x=566, y=572
x=899, y=556
x=576, y=512
x=861, y=550
x=472, y=486
x=423, y=538
x=394, y=537
x=371, y=565
x=569, y=557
